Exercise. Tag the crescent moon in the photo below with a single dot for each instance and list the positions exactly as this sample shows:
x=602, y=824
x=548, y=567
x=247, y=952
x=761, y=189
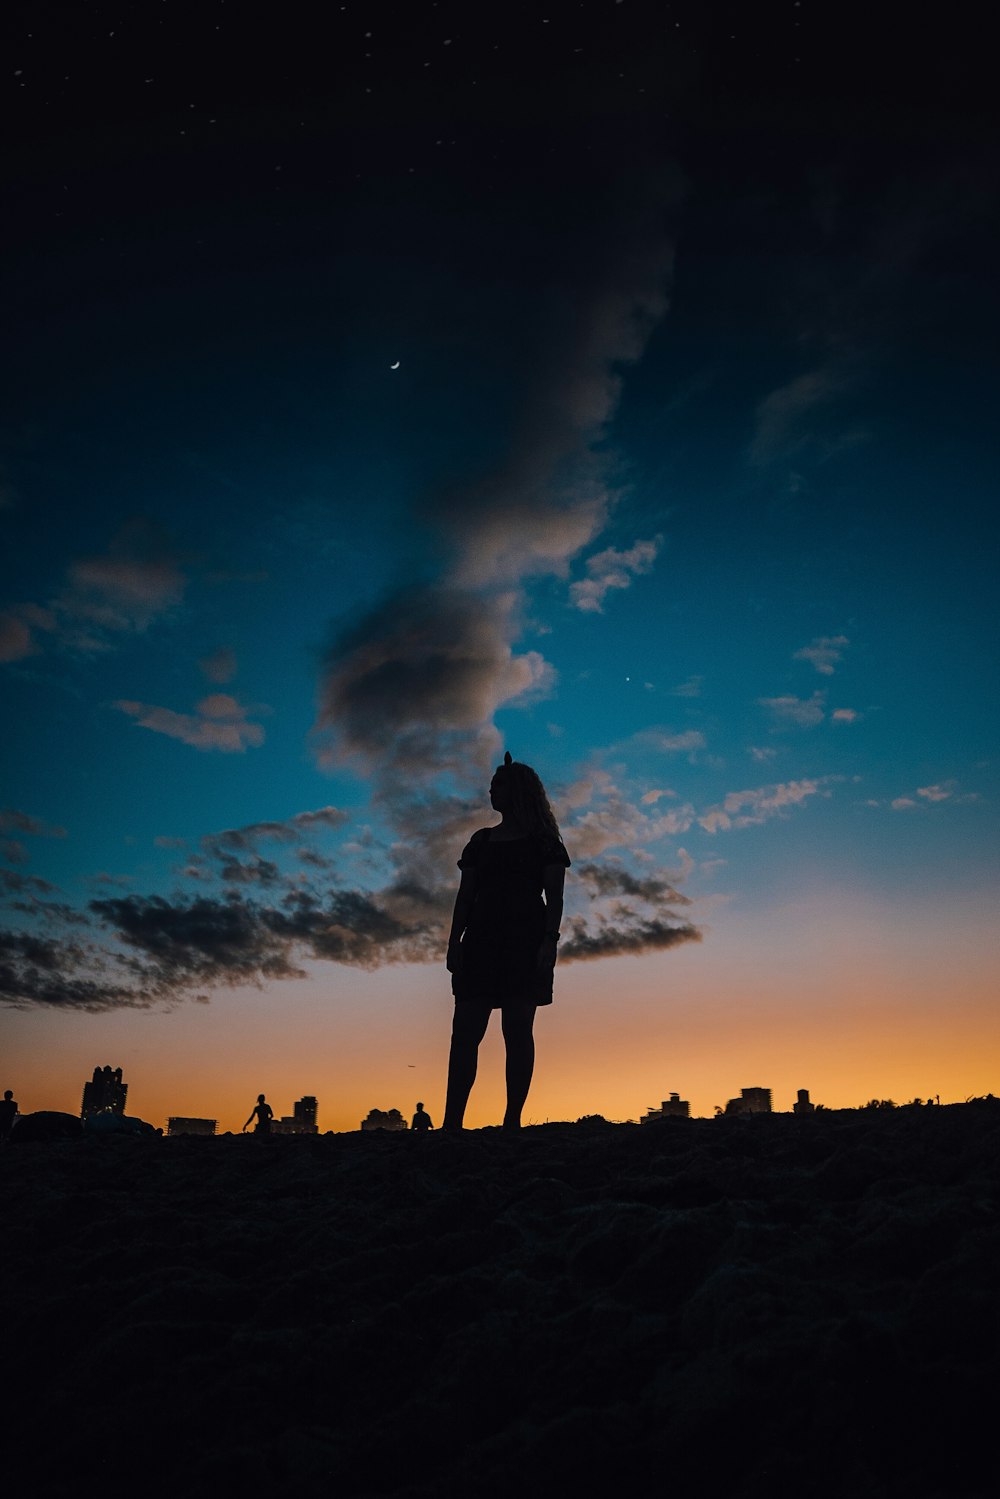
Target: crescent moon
x=394, y=366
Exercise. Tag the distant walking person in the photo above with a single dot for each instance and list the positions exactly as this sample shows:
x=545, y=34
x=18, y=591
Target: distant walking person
x=8, y=1113
x=421, y=1120
x=502, y=949
x=262, y=1109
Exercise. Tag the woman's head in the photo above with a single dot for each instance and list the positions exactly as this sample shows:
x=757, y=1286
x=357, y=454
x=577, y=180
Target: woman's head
x=516, y=790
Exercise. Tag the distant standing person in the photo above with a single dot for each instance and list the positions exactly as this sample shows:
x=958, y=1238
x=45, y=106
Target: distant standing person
x=502, y=949
x=421, y=1120
x=8, y=1113
x=264, y=1114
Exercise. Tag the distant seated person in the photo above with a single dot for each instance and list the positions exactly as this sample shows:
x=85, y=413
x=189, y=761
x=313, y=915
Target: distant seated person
x=8, y=1113
x=264, y=1114
x=421, y=1119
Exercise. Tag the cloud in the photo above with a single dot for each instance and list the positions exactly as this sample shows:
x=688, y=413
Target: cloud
x=220, y=665
x=105, y=596
x=630, y=937
x=611, y=820
x=290, y=830
x=782, y=420
x=24, y=884
x=902, y=803
x=795, y=712
x=16, y=639
x=122, y=590
x=825, y=651
x=741, y=809
x=612, y=878
x=936, y=793
x=690, y=688
x=22, y=822
x=613, y=569
x=845, y=715
x=762, y=752
x=650, y=798
x=219, y=723
x=19, y=627
x=14, y=851
x=411, y=689
x=416, y=683
x=669, y=743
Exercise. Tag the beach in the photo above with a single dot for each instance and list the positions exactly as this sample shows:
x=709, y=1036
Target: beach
x=756, y=1306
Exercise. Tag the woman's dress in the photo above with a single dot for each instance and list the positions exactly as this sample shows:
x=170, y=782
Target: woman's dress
x=499, y=962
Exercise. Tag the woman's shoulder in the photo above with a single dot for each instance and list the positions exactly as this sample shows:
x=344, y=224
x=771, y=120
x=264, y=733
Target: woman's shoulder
x=552, y=850
x=472, y=849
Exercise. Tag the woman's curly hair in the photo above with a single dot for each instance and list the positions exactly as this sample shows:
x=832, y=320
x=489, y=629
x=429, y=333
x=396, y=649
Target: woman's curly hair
x=529, y=803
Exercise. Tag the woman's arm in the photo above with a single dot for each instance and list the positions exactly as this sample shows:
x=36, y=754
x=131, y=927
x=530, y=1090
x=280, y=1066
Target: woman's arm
x=553, y=881
x=464, y=901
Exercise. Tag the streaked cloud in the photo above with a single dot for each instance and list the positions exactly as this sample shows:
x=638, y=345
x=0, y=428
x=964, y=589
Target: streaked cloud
x=742, y=809
x=219, y=722
x=795, y=712
x=12, y=821
x=845, y=715
x=824, y=652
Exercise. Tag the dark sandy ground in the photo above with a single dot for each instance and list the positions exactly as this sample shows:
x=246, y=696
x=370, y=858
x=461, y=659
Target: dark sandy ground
x=766, y=1306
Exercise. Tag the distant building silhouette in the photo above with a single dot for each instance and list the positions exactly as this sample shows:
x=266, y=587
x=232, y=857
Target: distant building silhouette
x=750, y=1101
x=803, y=1106
x=104, y=1091
x=301, y=1121
x=384, y=1119
x=178, y=1125
x=674, y=1107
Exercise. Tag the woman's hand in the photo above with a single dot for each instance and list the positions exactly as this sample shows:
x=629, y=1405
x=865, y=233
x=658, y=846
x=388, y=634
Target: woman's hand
x=547, y=949
x=453, y=962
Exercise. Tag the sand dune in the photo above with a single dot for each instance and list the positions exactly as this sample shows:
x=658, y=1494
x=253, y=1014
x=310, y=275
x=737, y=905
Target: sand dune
x=759, y=1306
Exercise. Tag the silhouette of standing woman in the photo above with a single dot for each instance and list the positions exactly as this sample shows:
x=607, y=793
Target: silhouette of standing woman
x=502, y=949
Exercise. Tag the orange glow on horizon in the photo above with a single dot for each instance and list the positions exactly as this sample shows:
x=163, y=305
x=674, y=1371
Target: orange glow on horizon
x=703, y=1021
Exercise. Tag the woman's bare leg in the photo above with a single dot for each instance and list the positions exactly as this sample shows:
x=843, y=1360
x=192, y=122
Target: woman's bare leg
x=467, y=1030
x=517, y=1033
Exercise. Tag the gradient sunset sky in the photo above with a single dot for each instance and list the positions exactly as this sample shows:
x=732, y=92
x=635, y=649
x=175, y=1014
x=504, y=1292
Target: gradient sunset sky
x=391, y=385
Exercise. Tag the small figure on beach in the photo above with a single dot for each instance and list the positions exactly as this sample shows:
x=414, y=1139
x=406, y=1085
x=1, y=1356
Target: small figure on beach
x=8, y=1113
x=502, y=948
x=264, y=1114
x=421, y=1120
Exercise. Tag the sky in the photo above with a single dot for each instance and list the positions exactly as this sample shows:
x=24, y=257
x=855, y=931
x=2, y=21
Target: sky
x=609, y=383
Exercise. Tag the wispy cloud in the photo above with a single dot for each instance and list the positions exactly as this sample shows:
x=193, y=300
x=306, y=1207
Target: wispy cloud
x=12, y=821
x=690, y=688
x=795, y=712
x=219, y=722
x=937, y=793
x=824, y=652
x=742, y=809
x=219, y=666
x=106, y=596
x=612, y=569
x=783, y=419
x=845, y=715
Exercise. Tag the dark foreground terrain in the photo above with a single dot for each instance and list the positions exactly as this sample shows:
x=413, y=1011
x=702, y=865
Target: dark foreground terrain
x=767, y=1306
